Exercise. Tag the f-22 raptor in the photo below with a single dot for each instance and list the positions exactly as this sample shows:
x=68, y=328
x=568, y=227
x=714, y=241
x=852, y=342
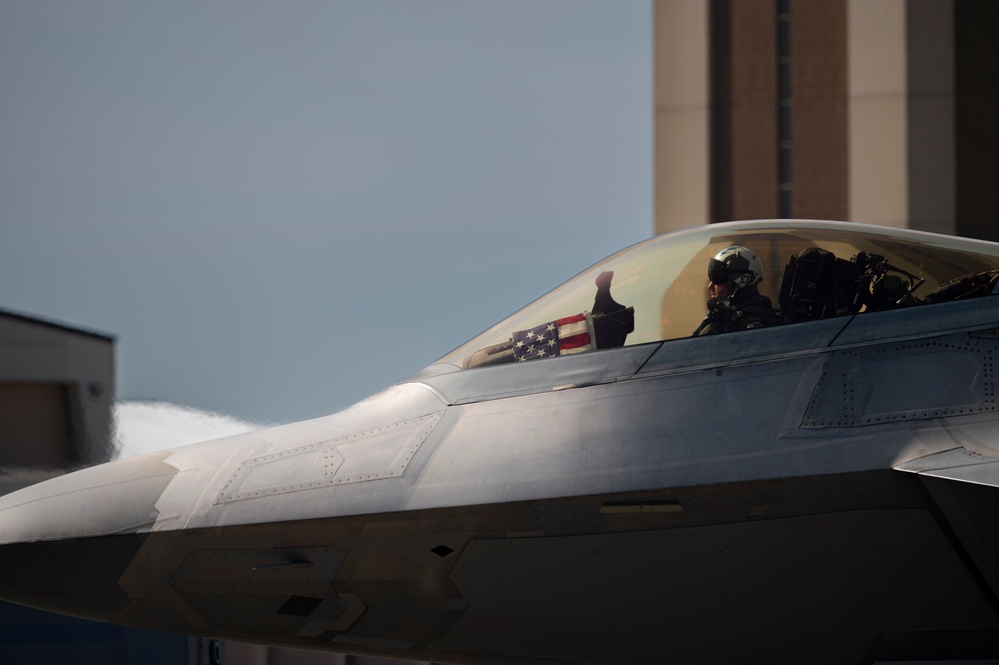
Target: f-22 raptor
x=822, y=489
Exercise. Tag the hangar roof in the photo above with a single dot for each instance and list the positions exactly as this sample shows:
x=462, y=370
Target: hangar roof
x=7, y=314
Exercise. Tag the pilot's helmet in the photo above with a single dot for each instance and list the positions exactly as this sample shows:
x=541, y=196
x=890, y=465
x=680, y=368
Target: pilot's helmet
x=735, y=266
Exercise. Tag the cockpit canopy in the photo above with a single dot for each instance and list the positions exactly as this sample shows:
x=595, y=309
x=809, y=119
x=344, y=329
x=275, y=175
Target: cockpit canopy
x=656, y=290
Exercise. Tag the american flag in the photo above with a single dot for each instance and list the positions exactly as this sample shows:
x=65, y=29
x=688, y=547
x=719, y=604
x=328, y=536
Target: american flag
x=555, y=338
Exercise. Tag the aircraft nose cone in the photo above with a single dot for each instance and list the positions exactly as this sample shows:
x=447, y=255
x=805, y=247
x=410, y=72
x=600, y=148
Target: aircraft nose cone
x=113, y=498
x=65, y=542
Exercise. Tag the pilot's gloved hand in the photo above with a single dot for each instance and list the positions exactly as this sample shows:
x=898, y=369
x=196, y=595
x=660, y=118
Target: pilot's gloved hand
x=720, y=310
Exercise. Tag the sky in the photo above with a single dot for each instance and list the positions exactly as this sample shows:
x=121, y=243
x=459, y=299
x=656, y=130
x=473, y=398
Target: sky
x=280, y=208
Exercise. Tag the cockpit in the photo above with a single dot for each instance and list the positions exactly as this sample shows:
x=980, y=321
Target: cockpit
x=656, y=290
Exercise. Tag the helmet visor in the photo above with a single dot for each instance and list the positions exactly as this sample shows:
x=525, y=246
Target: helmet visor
x=721, y=273
x=718, y=272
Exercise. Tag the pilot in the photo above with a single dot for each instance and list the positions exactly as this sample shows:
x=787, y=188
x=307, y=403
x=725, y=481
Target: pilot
x=735, y=303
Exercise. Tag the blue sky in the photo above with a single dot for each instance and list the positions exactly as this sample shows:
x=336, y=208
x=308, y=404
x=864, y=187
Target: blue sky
x=280, y=208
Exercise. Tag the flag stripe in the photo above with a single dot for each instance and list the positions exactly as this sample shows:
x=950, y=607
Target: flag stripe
x=572, y=333
x=571, y=342
x=574, y=342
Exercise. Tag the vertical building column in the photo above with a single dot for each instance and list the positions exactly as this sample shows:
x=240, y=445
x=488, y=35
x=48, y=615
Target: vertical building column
x=819, y=125
x=682, y=114
x=931, y=135
x=876, y=91
x=744, y=74
x=976, y=55
x=901, y=96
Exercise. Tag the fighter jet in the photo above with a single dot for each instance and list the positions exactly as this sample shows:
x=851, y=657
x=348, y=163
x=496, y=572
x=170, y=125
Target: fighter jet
x=589, y=482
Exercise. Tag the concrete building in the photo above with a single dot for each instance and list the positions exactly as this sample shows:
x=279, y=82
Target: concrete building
x=878, y=111
x=56, y=397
